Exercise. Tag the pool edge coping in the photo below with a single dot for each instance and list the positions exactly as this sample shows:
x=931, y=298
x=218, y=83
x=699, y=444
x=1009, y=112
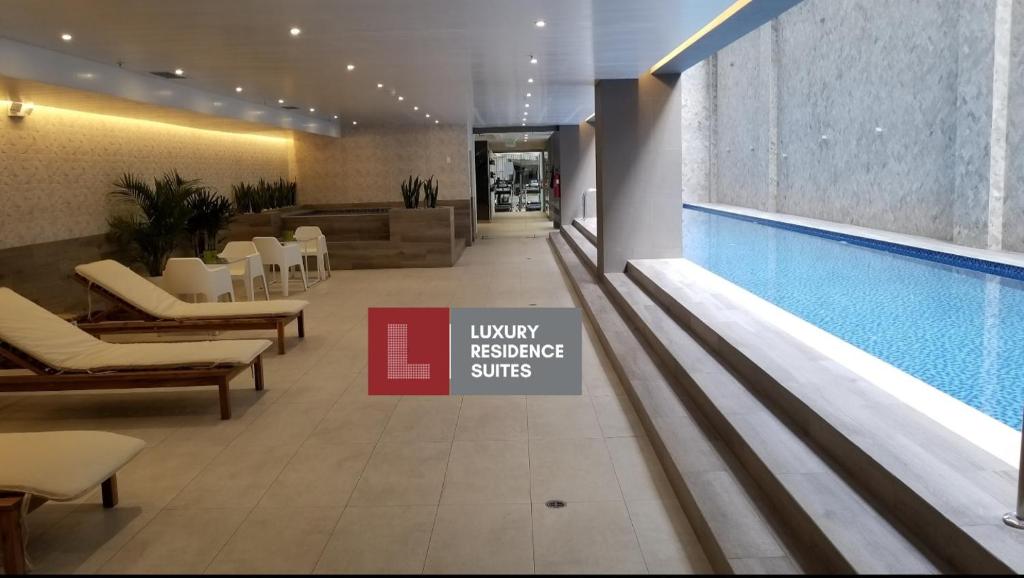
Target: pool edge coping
x=1005, y=264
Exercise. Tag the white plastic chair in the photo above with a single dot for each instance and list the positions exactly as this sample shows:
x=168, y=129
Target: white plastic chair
x=314, y=244
x=284, y=257
x=190, y=276
x=245, y=265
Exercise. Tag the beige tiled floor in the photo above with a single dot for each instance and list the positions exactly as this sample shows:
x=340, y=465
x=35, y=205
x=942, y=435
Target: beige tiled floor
x=313, y=475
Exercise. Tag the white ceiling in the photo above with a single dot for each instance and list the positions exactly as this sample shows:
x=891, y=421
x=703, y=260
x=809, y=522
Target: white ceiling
x=459, y=60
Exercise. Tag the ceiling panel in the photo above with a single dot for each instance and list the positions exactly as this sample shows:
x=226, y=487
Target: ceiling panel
x=458, y=60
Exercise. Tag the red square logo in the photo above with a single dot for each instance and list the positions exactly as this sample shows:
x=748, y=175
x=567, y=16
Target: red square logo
x=408, y=351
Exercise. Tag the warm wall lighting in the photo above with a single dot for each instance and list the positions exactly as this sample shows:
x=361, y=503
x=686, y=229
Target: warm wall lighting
x=715, y=23
x=295, y=31
x=66, y=37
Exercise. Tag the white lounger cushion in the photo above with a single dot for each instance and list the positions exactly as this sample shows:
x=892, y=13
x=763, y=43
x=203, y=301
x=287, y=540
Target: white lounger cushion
x=62, y=346
x=145, y=295
x=62, y=465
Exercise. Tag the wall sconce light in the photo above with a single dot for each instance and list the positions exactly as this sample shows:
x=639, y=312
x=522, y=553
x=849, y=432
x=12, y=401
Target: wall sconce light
x=20, y=109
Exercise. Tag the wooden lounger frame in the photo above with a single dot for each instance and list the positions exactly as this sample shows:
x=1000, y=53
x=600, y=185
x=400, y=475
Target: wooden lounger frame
x=47, y=379
x=150, y=324
x=12, y=537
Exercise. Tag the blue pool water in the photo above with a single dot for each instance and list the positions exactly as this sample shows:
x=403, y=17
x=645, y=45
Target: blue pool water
x=957, y=329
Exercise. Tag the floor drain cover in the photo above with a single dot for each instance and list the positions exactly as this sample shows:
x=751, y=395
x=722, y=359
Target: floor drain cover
x=555, y=504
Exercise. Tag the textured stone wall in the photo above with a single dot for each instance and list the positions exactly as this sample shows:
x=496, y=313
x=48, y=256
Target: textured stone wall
x=696, y=128
x=367, y=165
x=742, y=123
x=57, y=166
x=875, y=113
x=1013, y=221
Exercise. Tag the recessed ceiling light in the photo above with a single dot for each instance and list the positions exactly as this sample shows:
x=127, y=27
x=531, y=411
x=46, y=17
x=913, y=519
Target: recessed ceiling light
x=335, y=117
x=238, y=89
x=427, y=115
x=415, y=108
x=527, y=105
x=280, y=101
x=530, y=80
x=312, y=110
x=540, y=24
x=350, y=67
x=66, y=37
x=526, y=114
x=437, y=122
x=529, y=94
x=295, y=31
x=524, y=124
x=379, y=85
x=533, y=59
x=218, y=103
x=354, y=123
x=401, y=98
x=179, y=72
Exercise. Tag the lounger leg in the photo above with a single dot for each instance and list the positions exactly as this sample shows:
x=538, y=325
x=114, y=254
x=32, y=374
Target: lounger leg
x=257, y=372
x=280, y=338
x=11, y=537
x=302, y=324
x=109, y=491
x=225, y=400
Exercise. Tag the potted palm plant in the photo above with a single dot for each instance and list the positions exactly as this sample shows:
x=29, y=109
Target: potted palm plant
x=210, y=214
x=150, y=220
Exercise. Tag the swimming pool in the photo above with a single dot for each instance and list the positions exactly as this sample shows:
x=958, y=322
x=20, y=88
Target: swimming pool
x=959, y=330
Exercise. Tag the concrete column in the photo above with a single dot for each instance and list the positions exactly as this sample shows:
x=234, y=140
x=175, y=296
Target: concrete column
x=578, y=158
x=639, y=172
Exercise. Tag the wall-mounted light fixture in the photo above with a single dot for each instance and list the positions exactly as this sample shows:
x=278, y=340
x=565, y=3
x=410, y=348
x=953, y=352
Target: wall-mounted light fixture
x=19, y=109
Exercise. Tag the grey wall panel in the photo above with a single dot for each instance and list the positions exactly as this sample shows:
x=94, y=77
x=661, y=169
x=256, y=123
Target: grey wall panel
x=847, y=69
x=1013, y=215
x=696, y=128
x=742, y=123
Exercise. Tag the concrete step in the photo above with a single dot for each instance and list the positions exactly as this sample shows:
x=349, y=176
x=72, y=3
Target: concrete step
x=829, y=522
x=583, y=248
x=946, y=493
x=723, y=505
x=588, y=228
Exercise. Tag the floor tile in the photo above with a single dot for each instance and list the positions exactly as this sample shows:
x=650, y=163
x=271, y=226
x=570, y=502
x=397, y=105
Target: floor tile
x=666, y=538
x=177, y=541
x=423, y=419
x=403, y=474
x=319, y=476
x=557, y=417
x=379, y=540
x=483, y=472
x=481, y=539
x=572, y=470
x=492, y=418
x=285, y=540
x=589, y=537
x=638, y=470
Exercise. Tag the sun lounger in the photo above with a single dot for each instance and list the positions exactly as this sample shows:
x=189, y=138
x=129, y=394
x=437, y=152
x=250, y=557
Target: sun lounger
x=63, y=357
x=161, y=311
x=59, y=466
